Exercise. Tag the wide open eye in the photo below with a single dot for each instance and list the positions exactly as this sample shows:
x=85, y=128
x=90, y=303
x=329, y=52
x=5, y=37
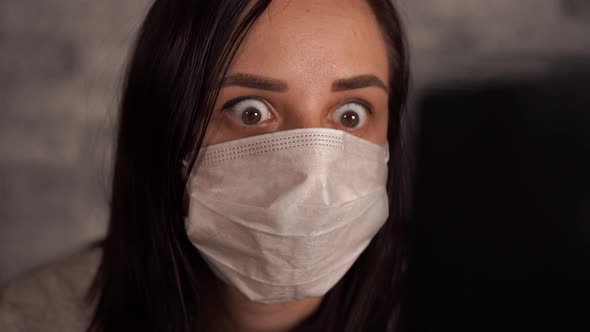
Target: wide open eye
x=249, y=111
x=351, y=115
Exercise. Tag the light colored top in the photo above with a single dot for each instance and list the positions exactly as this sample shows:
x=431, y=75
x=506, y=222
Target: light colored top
x=52, y=298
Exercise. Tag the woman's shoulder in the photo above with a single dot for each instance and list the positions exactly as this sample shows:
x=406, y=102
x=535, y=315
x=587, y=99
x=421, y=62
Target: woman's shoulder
x=51, y=298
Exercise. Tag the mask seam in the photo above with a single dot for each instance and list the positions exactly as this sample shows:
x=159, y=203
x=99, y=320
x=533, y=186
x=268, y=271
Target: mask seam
x=336, y=139
x=235, y=155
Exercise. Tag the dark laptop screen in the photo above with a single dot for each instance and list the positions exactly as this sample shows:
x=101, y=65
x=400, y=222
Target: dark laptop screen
x=500, y=230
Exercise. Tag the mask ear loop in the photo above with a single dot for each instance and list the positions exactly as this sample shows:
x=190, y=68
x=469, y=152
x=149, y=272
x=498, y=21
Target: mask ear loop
x=185, y=163
x=185, y=173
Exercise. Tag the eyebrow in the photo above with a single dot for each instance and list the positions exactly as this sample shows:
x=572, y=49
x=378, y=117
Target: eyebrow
x=255, y=82
x=271, y=84
x=358, y=82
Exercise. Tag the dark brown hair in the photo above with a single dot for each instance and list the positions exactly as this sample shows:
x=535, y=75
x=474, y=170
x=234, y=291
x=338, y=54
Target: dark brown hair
x=151, y=278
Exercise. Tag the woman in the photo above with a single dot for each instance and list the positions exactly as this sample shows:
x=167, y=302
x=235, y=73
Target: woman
x=258, y=172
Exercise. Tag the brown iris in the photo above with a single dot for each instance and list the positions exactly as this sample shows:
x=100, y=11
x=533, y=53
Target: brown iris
x=350, y=119
x=251, y=116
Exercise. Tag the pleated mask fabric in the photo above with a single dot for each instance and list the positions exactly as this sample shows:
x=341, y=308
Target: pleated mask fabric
x=283, y=216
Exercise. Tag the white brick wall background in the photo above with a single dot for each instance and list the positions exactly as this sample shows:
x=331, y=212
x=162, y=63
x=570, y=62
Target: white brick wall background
x=60, y=69
x=60, y=75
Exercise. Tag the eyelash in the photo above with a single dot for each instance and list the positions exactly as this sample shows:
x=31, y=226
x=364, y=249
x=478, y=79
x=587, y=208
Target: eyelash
x=233, y=102
x=359, y=101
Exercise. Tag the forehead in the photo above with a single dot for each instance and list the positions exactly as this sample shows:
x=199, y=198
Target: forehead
x=311, y=40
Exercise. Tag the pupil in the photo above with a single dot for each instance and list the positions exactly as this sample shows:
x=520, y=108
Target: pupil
x=251, y=116
x=350, y=119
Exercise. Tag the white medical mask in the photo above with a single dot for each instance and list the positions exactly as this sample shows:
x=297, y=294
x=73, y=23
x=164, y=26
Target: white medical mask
x=283, y=216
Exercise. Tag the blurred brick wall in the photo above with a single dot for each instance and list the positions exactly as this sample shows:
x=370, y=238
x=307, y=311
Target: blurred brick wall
x=455, y=39
x=60, y=72
x=60, y=75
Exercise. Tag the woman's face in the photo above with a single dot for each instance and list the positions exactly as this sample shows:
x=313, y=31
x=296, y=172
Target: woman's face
x=307, y=64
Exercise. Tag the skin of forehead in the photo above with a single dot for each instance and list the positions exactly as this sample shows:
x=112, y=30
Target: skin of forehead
x=311, y=43
x=308, y=44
